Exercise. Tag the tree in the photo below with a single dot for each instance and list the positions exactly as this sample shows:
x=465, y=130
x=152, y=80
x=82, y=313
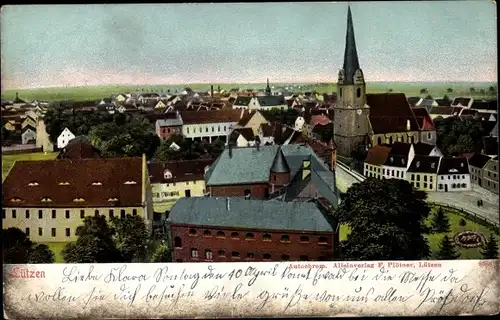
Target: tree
x=428, y=97
x=449, y=90
x=94, y=244
x=41, y=254
x=440, y=222
x=130, y=237
x=492, y=90
x=16, y=246
x=446, y=98
x=472, y=90
x=447, y=250
x=389, y=90
x=422, y=91
x=482, y=91
x=386, y=218
x=490, y=248
x=162, y=254
x=456, y=136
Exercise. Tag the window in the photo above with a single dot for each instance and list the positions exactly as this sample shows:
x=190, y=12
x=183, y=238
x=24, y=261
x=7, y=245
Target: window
x=285, y=238
x=208, y=254
x=358, y=92
x=222, y=253
x=425, y=185
x=304, y=239
x=220, y=234
x=134, y=212
x=340, y=92
x=440, y=186
x=429, y=136
x=207, y=233
x=453, y=185
x=53, y=231
x=425, y=178
x=418, y=177
x=3, y=213
x=192, y=232
x=250, y=255
x=465, y=186
x=40, y=214
x=66, y=213
x=206, y=129
x=177, y=242
x=235, y=235
x=285, y=257
x=14, y=214
x=249, y=236
x=412, y=177
x=303, y=258
x=194, y=253
x=27, y=214
x=187, y=130
x=418, y=184
x=213, y=129
x=68, y=232
x=111, y=213
x=96, y=212
x=27, y=231
x=122, y=213
x=266, y=256
x=235, y=254
x=322, y=240
x=266, y=237
x=40, y=232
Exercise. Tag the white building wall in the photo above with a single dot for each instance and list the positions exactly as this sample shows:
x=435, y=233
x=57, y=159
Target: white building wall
x=64, y=138
x=448, y=182
x=207, y=130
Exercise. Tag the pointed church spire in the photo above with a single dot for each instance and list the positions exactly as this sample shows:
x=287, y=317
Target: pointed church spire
x=268, y=88
x=351, y=62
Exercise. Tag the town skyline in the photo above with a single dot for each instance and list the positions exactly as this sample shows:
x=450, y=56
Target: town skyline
x=107, y=45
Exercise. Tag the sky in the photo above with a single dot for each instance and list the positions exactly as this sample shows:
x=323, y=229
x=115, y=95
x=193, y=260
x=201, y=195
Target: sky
x=75, y=45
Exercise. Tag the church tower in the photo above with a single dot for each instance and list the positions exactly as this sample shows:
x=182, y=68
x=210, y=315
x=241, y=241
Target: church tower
x=268, y=88
x=351, y=121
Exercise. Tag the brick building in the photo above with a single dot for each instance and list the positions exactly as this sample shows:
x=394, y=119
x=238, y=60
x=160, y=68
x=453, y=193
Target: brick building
x=269, y=171
x=235, y=229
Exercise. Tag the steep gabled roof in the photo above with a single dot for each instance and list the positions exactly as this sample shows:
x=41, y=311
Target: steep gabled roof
x=377, y=155
x=211, y=116
x=279, y=163
x=351, y=62
x=390, y=112
x=479, y=160
x=451, y=165
x=424, y=164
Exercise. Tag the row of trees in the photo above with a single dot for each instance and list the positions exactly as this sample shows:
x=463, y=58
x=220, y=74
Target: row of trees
x=189, y=150
x=456, y=136
x=99, y=241
x=114, y=135
x=387, y=222
x=492, y=90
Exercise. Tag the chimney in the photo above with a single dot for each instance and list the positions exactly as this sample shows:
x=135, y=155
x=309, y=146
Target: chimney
x=212, y=90
x=230, y=149
x=228, y=204
x=408, y=125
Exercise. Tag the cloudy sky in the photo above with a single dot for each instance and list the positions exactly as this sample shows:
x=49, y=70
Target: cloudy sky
x=58, y=45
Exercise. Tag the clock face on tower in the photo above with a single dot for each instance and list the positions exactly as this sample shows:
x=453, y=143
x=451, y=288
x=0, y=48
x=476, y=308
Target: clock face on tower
x=359, y=112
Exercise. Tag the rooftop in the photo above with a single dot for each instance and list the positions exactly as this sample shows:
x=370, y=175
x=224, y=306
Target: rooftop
x=249, y=214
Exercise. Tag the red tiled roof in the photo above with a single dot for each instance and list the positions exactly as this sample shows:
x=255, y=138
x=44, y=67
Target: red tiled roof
x=63, y=181
x=81, y=150
x=212, y=116
x=187, y=170
x=424, y=120
x=389, y=112
x=319, y=119
x=377, y=155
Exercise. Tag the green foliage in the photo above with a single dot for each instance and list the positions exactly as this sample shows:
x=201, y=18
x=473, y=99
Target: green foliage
x=447, y=250
x=94, y=244
x=18, y=249
x=440, y=222
x=128, y=139
x=456, y=137
x=130, y=237
x=189, y=150
x=449, y=90
x=386, y=218
x=41, y=254
x=428, y=97
x=462, y=222
x=490, y=249
x=162, y=254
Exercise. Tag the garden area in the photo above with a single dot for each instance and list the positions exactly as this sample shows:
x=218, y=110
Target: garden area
x=456, y=225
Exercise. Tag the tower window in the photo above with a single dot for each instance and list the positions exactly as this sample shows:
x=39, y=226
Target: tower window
x=340, y=92
x=358, y=92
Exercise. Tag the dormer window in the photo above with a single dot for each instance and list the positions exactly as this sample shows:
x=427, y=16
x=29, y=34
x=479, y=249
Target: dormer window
x=392, y=159
x=462, y=164
x=167, y=174
x=206, y=169
x=112, y=199
x=96, y=184
x=418, y=164
x=78, y=200
x=15, y=199
x=32, y=184
x=433, y=165
x=46, y=199
x=130, y=182
x=403, y=161
x=64, y=183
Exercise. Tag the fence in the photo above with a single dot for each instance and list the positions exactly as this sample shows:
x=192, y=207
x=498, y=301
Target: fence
x=471, y=216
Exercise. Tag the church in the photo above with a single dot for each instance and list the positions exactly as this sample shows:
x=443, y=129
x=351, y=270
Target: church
x=363, y=120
